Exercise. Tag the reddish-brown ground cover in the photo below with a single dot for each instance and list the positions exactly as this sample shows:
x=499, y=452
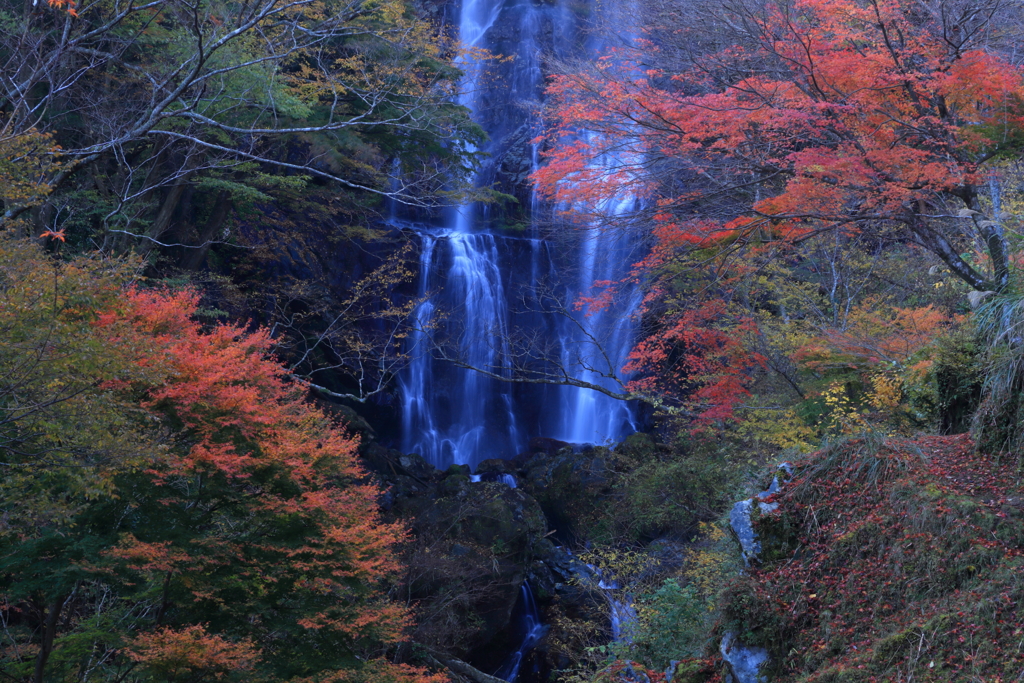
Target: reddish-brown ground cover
x=891, y=561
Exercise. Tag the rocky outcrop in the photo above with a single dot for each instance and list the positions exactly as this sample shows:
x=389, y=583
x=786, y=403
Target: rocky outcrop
x=744, y=513
x=744, y=663
x=473, y=545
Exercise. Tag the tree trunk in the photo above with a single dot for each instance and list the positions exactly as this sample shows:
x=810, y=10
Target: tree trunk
x=50, y=622
x=193, y=259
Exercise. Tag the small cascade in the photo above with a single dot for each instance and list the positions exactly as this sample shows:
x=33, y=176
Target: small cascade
x=623, y=617
x=506, y=479
x=531, y=627
x=622, y=613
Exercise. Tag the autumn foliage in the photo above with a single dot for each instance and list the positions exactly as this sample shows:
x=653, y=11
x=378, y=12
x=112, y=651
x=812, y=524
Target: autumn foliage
x=846, y=115
x=240, y=535
x=783, y=148
x=699, y=353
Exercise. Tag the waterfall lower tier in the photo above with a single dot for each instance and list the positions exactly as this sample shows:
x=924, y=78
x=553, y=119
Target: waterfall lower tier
x=453, y=414
x=533, y=630
x=495, y=311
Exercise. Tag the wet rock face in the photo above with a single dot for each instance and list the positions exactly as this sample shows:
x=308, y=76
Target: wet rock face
x=473, y=545
x=745, y=513
x=741, y=519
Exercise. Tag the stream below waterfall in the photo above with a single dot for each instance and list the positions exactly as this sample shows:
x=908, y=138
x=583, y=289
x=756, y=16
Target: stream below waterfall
x=532, y=629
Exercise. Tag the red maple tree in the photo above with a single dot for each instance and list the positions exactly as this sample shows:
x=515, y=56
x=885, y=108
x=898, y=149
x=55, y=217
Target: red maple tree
x=281, y=515
x=828, y=115
x=815, y=116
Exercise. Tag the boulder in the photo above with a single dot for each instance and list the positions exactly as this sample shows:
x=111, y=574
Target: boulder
x=474, y=546
x=541, y=444
x=495, y=466
x=689, y=671
x=744, y=663
x=741, y=519
x=744, y=513
x=572, y=488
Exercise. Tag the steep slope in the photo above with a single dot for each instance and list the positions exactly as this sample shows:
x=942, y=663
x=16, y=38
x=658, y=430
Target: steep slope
x=890, y=560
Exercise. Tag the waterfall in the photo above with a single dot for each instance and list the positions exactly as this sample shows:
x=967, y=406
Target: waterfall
x=531, y=627
x=457, y=417
x=621, y=612
x=458, y=405
x=599, y=340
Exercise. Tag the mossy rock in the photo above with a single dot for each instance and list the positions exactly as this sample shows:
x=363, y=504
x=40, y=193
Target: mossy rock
x=638, y=446
x=753, y=617
x=777, y=532
x=892, y=646
x=571, y=488
x=453, y=485
x=692, y=671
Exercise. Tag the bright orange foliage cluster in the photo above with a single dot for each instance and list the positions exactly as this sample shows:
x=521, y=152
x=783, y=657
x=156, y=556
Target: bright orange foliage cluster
x=71, y=5
x=874, y=334
x=181, y=654
x=858, y=112
x=253, y=432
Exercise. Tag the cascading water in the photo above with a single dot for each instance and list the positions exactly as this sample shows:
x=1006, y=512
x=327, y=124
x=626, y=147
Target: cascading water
x=621, y=612
x=485, y=289
x=532, y=629
x=453, y=418
x=470, y=272
x=599, y=340
x=506, y=479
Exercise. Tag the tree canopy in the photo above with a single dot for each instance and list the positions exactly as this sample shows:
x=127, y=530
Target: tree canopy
x=174, y=510
x=780, y=142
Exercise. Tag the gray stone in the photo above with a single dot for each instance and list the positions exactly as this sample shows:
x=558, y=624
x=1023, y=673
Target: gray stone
x=740, y=516
x=787, y=475
x=743, y=526
x=744, y=662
